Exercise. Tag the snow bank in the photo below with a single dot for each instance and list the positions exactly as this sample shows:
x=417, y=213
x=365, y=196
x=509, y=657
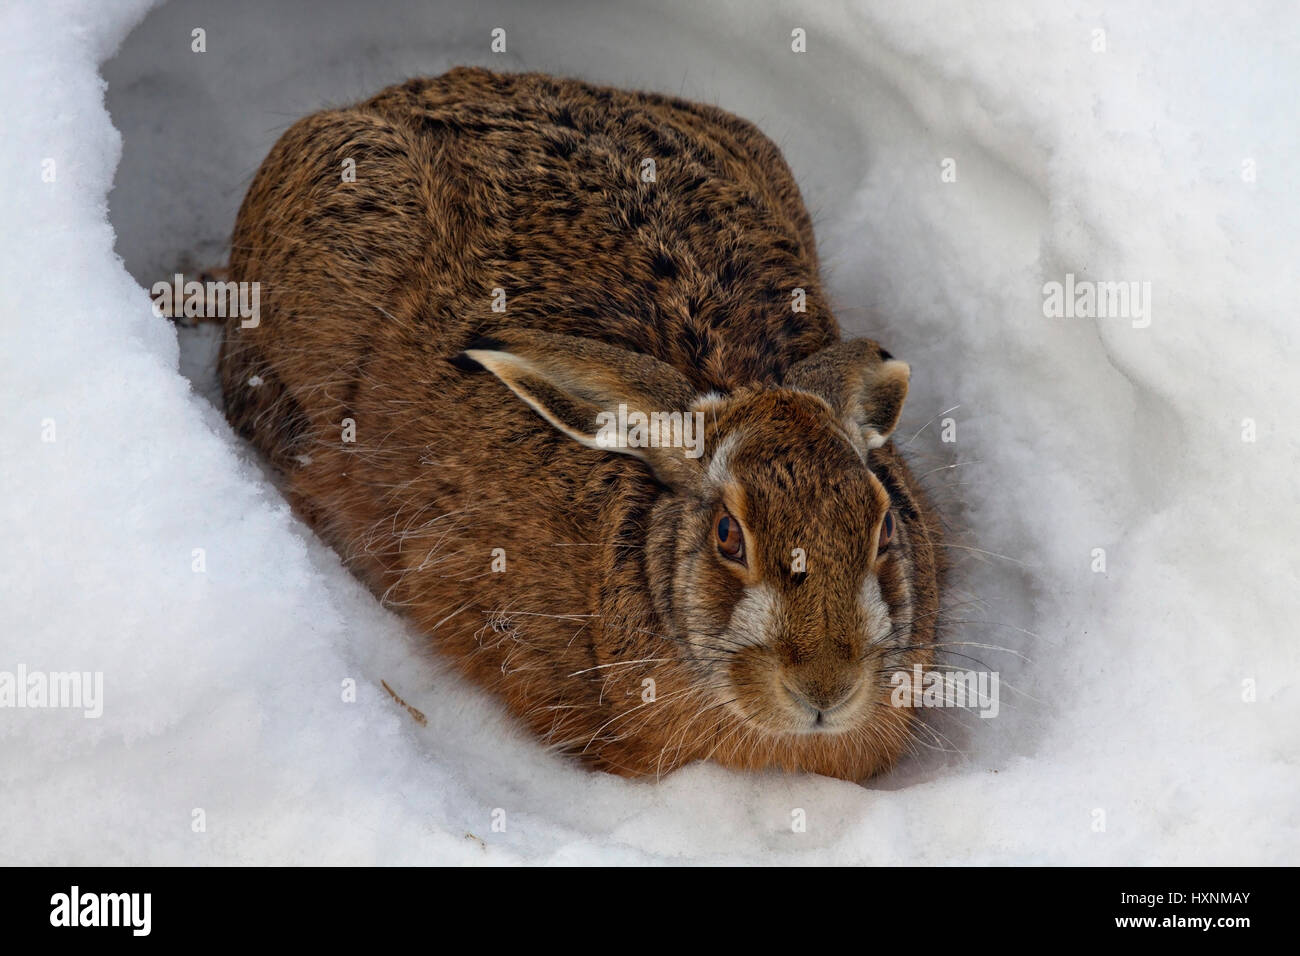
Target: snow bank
x=1157, y=695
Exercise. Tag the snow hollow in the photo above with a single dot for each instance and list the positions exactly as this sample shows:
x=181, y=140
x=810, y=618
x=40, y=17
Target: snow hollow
x=1120, y=487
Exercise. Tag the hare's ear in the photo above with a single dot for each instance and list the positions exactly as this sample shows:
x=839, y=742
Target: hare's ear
x=862, y=382
x=600, y=395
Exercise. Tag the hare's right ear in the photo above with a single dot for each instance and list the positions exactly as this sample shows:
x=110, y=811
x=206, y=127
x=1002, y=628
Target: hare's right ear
x=593, y=391
x=863, y=383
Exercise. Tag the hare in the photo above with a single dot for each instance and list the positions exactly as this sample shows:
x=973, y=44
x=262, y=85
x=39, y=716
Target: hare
x=550, y=365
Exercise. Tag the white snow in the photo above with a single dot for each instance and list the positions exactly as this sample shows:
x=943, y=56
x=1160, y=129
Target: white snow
x=1169, y=158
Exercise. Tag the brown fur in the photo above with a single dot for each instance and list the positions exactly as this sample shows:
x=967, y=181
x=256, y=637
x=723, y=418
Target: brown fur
x=617, y=290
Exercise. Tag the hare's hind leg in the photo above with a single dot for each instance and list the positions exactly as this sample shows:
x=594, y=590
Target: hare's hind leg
x=258, y=405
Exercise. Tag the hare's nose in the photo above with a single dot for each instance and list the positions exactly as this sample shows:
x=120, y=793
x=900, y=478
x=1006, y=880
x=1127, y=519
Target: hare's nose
x=820, y=696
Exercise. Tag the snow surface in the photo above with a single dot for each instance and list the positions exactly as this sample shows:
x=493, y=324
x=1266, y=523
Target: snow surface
x=222, y=689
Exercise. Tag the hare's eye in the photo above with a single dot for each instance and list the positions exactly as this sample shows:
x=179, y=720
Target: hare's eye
x=886, y=531
x=731, y=540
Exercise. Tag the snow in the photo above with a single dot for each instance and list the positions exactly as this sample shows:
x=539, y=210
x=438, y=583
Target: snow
x=1169, y=158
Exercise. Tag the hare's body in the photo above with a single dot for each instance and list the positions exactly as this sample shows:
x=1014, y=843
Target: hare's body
x=487, y=209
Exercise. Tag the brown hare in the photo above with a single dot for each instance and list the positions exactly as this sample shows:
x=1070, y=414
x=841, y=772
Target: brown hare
x=551, y=366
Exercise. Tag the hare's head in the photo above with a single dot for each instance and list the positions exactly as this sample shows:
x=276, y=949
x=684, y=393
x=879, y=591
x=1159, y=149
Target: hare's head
x=790, y=551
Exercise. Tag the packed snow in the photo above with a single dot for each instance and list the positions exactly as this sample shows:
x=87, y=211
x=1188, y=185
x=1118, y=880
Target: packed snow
x=959, y=159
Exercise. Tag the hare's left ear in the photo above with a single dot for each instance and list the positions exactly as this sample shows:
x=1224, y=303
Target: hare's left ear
x=862, y=382
x=600, y=395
